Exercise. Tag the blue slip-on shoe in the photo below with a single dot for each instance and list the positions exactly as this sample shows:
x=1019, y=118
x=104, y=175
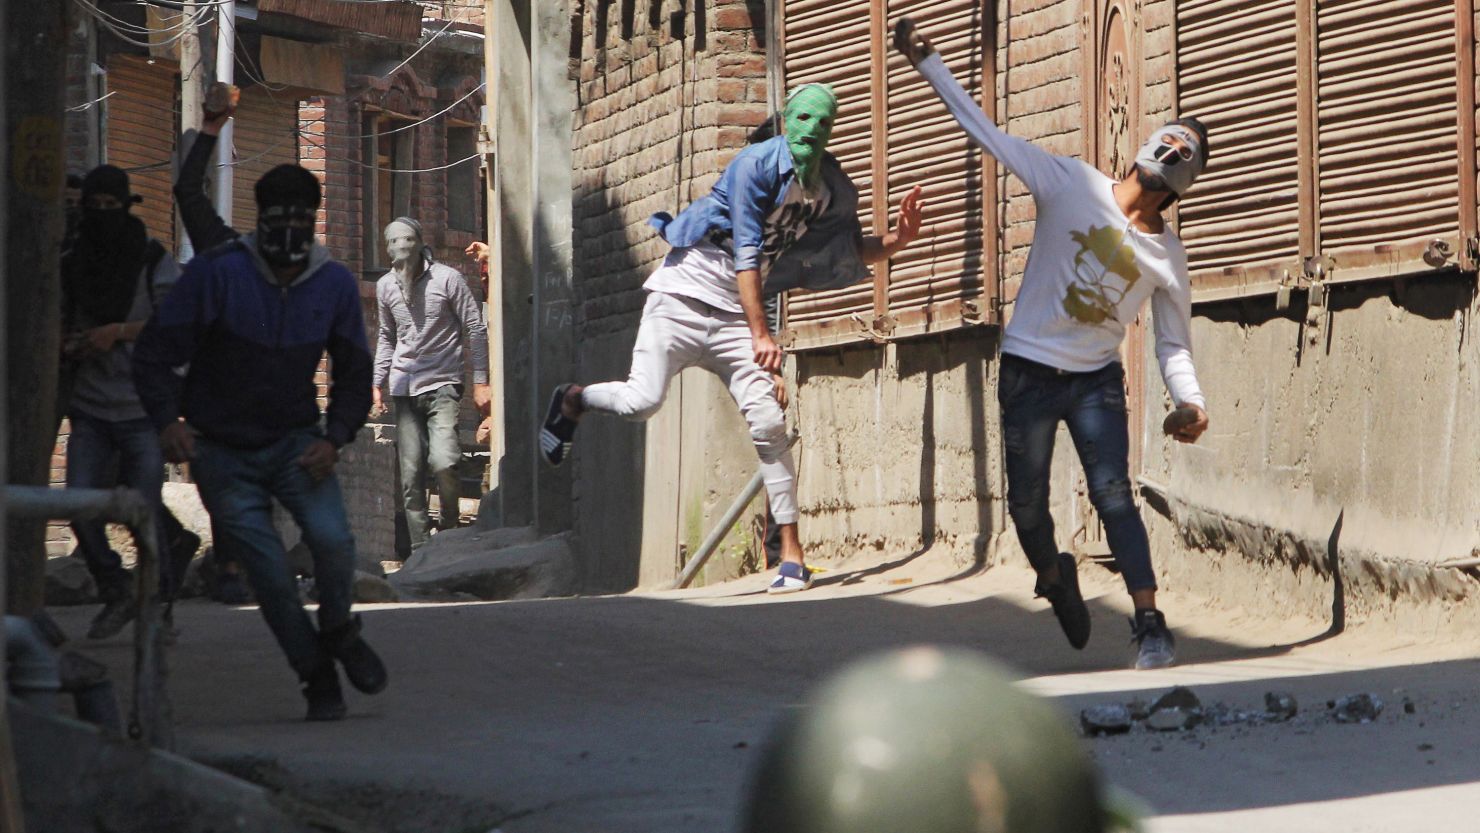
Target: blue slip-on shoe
x=790, y=578
x=556, y=432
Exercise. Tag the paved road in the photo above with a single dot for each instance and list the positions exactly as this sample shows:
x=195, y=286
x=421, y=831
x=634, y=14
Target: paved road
x=641, y=713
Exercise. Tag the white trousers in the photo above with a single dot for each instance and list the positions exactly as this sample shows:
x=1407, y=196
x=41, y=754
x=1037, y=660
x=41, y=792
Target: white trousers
x=678, y=332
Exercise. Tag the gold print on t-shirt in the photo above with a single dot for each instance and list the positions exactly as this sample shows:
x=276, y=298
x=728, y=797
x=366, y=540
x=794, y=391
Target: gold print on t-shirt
x=1092, y=298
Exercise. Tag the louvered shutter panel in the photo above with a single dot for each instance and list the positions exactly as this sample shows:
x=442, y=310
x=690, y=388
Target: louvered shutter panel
x=1237, y=72
x=1387, y=102
x=141, y=127
x=930, y=279
x=265, y=135
x=827, y=41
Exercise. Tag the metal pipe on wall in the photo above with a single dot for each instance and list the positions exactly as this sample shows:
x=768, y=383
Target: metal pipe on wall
x=149, y=721
x=226, y=73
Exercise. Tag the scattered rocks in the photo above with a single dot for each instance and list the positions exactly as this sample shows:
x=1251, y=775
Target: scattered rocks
x=1281, y=706
x=1357, y=708
x=1180, y=710
x=491, y=565
x=68, y=582
x=370, y=589
x=1174, y=719
x=1111, y=719
x=1180, y=697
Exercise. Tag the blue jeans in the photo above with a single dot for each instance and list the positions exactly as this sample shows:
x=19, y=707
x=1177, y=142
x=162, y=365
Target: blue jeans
x=1035, y=398
x=426, y=438
x=93, y=447
x=237, y=487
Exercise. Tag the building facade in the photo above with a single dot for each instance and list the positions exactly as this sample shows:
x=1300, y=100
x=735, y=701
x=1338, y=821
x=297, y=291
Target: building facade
x=383, y=102
x=1332, y=243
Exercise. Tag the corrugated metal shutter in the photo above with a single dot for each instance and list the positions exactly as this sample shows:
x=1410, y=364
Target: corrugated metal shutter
x=1387, y=106
x=930, y=280
x=827, y=41
x=265, y=134
x=141, y=126
x=934, y=284
x=1238, y=73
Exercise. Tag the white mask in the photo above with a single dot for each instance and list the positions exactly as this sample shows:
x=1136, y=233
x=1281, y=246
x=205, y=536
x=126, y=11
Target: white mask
x=402, y=244
x=1176, y=165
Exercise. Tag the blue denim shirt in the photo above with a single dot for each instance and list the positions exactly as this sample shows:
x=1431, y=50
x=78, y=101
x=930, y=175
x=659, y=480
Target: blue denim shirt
x=827, y=256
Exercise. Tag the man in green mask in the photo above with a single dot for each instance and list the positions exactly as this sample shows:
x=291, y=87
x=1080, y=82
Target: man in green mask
x=809, y=115
x=783, y=215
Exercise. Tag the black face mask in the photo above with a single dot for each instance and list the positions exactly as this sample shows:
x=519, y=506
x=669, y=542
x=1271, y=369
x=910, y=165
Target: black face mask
x=280, y=242
x=104, y=227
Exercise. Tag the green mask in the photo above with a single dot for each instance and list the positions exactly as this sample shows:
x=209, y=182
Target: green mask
x=809, y=115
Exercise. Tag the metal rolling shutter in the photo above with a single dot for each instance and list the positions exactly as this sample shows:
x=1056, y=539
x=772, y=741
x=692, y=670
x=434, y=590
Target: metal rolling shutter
x=1387, y=105
x=830, y=42
x=141, y=126
x=933, y=283
x=1238, y=72
x=265, y=136
x=883, y=103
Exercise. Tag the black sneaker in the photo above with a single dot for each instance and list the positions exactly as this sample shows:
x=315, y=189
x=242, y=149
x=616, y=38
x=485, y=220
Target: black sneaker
x=231, y=589
x=557, y=431
x=361, y=664
x=119, y=608
x=321, y=690
x=1068, y=604
x=182, y=552
x=1156, y=647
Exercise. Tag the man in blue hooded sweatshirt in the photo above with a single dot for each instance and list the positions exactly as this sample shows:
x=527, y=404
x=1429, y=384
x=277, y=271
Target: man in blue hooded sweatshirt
x=783, y=215
x=251, y=318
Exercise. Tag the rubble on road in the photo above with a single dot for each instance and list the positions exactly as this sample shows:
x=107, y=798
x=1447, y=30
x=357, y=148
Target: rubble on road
x=1357, y=708
x=1111, y=719
x=1281, y=705
x=1174, y=719
x=512, y=563
x=370, y=589
x=1180, y=710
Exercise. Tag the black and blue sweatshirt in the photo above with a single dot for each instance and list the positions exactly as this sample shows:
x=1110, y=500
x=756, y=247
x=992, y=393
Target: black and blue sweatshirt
x=253, y=347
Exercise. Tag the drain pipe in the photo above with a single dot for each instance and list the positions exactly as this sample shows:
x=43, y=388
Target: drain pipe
x=721, y=529
x=32, y=669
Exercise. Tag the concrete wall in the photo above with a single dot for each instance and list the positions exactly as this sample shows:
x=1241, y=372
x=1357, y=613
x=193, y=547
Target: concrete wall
x=901, y=449
x=1358, y=411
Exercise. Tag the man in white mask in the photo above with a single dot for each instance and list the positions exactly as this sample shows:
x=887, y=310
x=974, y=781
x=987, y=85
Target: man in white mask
x=1101, y=249
x=426, y=310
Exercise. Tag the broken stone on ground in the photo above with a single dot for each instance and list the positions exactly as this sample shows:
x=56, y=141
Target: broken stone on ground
x=1180, y=709
x=1357, y=708
x=1281, y=705
x=1109, y=719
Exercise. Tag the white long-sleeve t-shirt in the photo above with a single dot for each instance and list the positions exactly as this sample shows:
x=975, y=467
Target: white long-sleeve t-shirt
x=1090, y=270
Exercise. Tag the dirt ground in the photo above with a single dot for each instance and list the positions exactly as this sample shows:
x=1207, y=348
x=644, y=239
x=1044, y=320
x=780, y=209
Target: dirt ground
x=642, y=713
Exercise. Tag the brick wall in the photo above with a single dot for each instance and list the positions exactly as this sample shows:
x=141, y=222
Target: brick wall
x=657, y=119
x=666, y=95
x=1039, y=74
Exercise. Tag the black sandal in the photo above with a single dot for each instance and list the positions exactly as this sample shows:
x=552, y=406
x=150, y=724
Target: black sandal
x=557, y=431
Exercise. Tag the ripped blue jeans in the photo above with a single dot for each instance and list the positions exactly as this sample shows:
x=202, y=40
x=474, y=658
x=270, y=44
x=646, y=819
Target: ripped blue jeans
x=1035, y=398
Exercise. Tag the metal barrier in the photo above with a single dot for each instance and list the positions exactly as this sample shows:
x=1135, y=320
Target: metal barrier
x=149, y=719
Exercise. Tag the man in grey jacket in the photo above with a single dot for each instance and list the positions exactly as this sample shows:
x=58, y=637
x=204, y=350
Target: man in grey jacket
x=425, y=310
x=111, y=279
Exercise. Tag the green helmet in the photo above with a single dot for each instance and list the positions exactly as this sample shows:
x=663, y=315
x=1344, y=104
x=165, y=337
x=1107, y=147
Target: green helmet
x=925, y=740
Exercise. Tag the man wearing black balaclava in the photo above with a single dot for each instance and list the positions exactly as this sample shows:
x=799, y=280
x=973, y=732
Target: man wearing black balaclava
x=251, y=317
x=111, y=276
